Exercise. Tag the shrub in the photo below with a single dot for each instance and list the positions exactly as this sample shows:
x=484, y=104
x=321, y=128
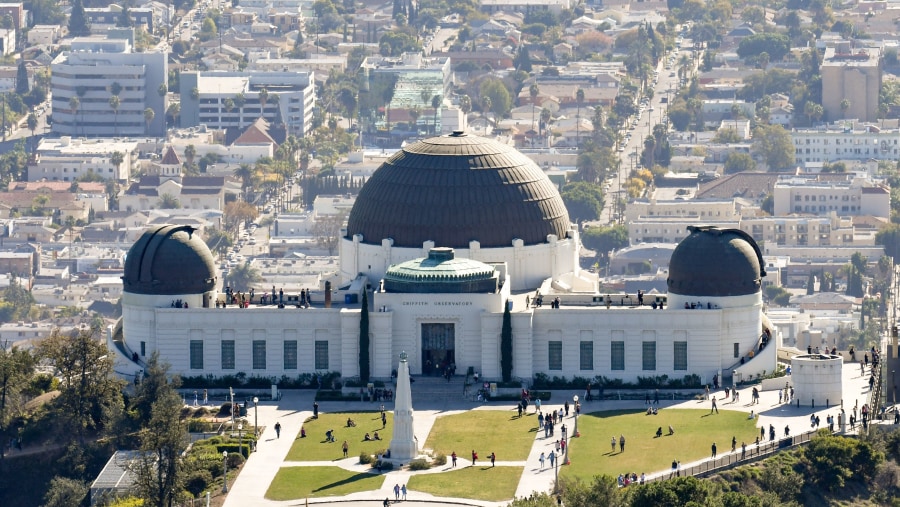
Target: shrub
x=384, y=465
x=235, y=460
x=420, y=464
x=366, y=458
x=440, y=459
x=198, y=481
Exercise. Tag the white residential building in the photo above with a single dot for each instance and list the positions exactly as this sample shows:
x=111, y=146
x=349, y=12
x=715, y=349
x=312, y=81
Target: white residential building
x=853, y=196
x=90, y=72
x=232, y=99
x=67, y=159
x=843, y=141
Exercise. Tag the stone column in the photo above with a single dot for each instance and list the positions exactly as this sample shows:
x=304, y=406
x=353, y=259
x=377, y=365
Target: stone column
x=403, y=444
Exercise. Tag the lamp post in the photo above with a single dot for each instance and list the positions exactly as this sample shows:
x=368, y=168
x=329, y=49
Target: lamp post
x=241, y=438
x=256, y=417
x=894, y=384
x=575, y=432
x=556, y=473
x=225, y=477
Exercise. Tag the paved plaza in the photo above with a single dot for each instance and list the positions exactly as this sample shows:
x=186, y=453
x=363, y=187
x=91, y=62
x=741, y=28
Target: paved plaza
x=296, y=406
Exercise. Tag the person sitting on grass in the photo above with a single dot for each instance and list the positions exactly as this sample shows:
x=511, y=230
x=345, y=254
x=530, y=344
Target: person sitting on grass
x=302, y=432
x=671, y=430
x=649, y=411
x=659, y=432
x=376, y=437
x=329, y=436
x=350, y=423
x=367, y=438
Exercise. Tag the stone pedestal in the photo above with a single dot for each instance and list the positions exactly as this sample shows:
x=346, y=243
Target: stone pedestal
x=403, y=444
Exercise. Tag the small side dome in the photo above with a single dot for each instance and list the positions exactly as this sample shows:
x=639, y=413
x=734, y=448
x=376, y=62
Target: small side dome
x=715, y=262
x=169, y=260
x=441, y=273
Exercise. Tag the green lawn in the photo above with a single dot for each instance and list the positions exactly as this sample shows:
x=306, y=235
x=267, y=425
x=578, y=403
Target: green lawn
x=292, y=483
x=314, y=447
x=485, y=431
x=478, y=483
x=695, y=431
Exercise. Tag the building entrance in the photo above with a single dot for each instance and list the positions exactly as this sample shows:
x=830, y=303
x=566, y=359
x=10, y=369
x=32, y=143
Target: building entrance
x=438, y=347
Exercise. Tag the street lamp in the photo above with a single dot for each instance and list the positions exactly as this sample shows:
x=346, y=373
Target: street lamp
x=555, y=473
x=575, y=432
x=225, y=476
x=241, y=438
x=256, y=417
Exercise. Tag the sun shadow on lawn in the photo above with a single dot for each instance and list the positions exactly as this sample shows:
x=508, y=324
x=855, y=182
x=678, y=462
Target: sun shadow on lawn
x=348, y=480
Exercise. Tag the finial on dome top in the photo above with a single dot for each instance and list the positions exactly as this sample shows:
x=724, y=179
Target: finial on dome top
x=403, y=356
x=458, y=133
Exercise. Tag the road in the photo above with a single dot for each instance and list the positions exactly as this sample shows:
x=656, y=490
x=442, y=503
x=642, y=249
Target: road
x=655, y=113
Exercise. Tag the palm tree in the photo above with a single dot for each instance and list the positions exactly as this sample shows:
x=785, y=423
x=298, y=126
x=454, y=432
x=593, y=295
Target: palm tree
x=436, y=105
x=148, y=118
x=239, y=101
x=74, y=104
x=465, y=104
x=114, y=103
x=845, y=105
x=117, y=158
x=545, y=120
x=190, y=151
x=533, y=91
x=485, y=105
x=80, y=92
x=763, y=60
x=242, y=275
x=168, y=201
x=32, y=123
x=263, y=98
x=173, y=111
x=414, y=113
x=245, y=173
x=579, y=99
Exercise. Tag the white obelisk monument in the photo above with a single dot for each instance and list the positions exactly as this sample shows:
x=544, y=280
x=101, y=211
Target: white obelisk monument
x=403, y=444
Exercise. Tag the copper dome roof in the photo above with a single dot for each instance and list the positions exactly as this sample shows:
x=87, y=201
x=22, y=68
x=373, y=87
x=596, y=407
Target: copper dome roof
x=455, y=189
x=715, y=262
x=169, y=260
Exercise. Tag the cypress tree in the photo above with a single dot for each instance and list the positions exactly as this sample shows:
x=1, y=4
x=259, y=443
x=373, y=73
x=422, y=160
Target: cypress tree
x=364, y=339
x=22, y=79
x=78, y=21
x=506, y=345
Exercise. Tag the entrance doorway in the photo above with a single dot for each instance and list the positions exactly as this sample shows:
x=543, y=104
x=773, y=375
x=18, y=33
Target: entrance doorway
x=438, y=347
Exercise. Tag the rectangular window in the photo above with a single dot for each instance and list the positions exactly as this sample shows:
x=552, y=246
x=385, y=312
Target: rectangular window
x=290, y=354
x=555, y=355
x=648, y=355
x=680, y=356
x=321, y=355
x=143, y=348
x=196, y=354
x=737, y=350
x=587, y=355
x=227, y=354
x=617, y=356
x=259, y=354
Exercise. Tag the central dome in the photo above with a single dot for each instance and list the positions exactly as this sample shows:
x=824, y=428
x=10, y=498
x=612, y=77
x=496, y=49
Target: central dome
x=455, y=189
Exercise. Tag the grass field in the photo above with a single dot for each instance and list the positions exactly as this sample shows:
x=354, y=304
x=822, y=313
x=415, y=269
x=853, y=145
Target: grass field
x=314, y=447
x=695, y=431
x=485, y=431
x=478, y=482
x=292, y=483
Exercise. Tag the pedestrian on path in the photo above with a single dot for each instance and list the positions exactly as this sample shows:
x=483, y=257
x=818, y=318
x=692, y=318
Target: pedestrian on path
x=474, y=457
x=743, y=450
x=714, y=407
x=493, y=459
x=733, y=443
x=621, y=443
x=674, y=468
x=403, y=491
x=612, y=443
x=714, y=450
x=541, y=459
x=397, y=492
x=278, y=430
x=453, y=457
x=383, y=420
x=315, y=410
x=346, y=447
x=552, y=457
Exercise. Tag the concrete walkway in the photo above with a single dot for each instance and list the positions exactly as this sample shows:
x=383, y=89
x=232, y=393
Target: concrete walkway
x=296, y=406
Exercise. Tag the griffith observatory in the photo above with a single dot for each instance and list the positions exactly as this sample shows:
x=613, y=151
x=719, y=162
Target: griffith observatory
x=445, y=236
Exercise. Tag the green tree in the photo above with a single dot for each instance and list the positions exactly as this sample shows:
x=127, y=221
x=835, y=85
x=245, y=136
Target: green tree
x=114, y=103
x=168, y=201
x=90, y=393
x=772, y=144
x=190, y=152
x=737, y=162
x=583, y=200
x=506, y=345
x=79, y=25
x=776, y=45
x=889, y=238
x=65, y=492
x=832, y=461
x=604, y=239
x=117, y=158
x=218, y=240
x=32, y=123
x=243, y=276
x=364, y=365
x=500, y=101
x=160, y=471
x=22, y=87
x=16, y=369
x=148, y=118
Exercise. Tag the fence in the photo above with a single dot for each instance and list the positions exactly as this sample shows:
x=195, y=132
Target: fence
x=733, y=459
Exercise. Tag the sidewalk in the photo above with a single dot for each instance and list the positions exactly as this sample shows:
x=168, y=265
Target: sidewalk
x=296, y=406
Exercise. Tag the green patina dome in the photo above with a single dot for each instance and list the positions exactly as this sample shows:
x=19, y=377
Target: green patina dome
x=441, y=272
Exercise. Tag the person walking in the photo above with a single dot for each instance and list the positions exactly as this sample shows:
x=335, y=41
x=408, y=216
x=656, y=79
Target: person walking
x=552, y=457
x=621, y=443
x=733, y=443
x=453, y=458
x=383, y=420
x=403, y=491
x=278, y=430
x=493, y=459
x=541, y=459
x=346, y=447
x=714, y=407
x=612, y=443
x=397, y=492
x=714, y=450
x=474, y=457
x=743, y=450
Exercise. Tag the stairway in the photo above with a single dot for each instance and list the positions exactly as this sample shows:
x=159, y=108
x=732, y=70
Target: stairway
x=436, y=388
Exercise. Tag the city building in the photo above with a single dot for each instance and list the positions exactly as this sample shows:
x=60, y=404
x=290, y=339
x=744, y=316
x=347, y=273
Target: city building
x=852, y=75
x=847, y=196
x=234, y=100
x=448, y=235
x=416, y=80
x=67, y=159
x=83, y=80
x=525, y=6
x=845, y=141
